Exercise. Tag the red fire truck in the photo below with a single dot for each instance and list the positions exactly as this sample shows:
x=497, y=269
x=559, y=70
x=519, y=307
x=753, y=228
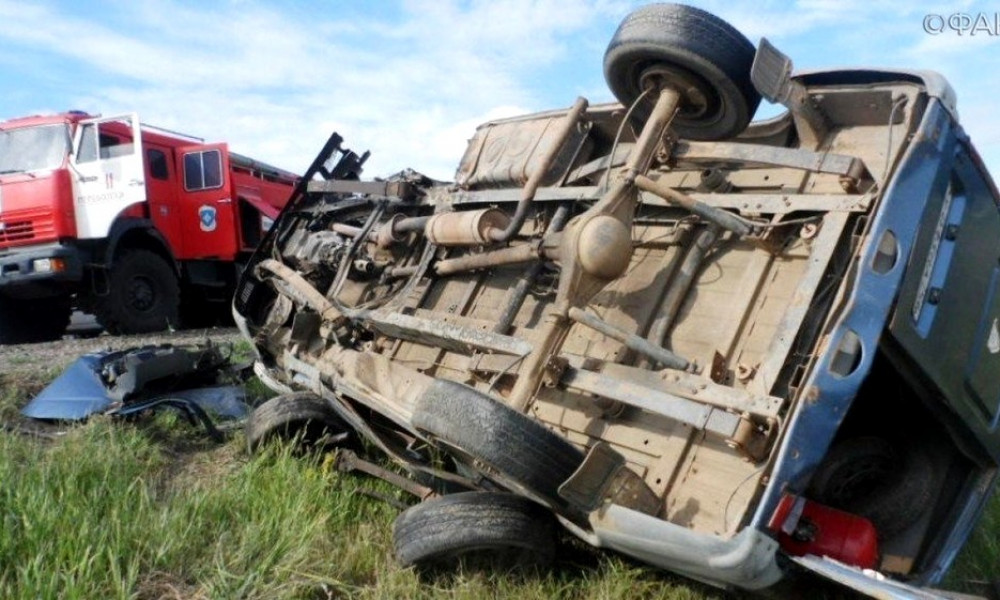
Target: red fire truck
x=143, y=227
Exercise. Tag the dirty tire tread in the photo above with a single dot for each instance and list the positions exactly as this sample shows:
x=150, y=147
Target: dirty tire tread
x=701, y=44
x=438, y=533
x=288, y=414
x=511, y=444
x=34, y=320
x=113, y=311
x=897, y=500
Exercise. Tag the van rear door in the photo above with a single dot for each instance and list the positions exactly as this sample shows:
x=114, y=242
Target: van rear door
x=947, y=319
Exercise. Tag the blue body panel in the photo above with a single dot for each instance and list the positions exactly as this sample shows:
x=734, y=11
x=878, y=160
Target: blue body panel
x=826, y=395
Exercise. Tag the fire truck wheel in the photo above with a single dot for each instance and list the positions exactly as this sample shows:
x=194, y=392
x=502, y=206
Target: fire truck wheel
x=143, y=295
x=491, y=531
x=35, y=320
x=706, y=59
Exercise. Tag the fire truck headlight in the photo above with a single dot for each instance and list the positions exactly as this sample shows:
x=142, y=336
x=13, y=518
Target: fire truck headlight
x=48, y=265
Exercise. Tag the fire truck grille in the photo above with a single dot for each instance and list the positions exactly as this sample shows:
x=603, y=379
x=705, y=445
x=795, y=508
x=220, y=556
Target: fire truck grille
x=15, y=233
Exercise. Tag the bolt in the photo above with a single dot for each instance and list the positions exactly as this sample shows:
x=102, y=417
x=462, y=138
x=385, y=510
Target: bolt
x=744, y=372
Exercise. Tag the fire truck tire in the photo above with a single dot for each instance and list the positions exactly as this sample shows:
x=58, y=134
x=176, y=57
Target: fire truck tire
x=704, y=57
x=143, y=295
x=479, y=531
x=35, y=320
x=303, y=417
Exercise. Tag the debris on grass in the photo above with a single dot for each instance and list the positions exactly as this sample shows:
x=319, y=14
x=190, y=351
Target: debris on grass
x=201, y=381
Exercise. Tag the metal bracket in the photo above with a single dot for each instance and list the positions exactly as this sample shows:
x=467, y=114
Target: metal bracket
x=348, y=461
x=603, y=476
x=403, y=190
x=753, y=440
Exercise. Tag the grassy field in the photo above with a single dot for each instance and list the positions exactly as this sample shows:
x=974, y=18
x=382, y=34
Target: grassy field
x=152, y=509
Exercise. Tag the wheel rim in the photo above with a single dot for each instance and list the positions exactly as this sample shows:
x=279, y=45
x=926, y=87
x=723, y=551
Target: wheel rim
x=141, y=293
x=698, y=99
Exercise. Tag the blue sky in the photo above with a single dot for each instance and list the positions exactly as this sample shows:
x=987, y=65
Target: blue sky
x=410, y=79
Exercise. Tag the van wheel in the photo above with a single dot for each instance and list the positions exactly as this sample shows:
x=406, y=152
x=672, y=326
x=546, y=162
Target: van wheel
x=890, y=485
x=34, y=320
x=304, y=417
x=481, y=531
x=507, y=447
x=143, y=295
x=706, y=59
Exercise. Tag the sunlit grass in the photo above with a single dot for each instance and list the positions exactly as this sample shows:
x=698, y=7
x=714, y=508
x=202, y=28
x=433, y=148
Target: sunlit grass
x=977, y=569
x=151, y=508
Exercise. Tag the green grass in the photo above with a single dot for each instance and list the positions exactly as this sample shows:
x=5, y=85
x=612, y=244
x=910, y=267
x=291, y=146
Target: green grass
x=152, y=509
x=976, y=569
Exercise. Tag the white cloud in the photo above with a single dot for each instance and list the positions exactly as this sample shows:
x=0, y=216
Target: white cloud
x=267, y=79
x=411, y=80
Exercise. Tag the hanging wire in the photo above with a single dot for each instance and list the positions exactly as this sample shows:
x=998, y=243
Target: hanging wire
x=621, y=128
x=896, y=105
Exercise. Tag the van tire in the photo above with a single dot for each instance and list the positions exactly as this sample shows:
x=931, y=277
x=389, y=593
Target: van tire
x=493, y=531
x=889, y=484
x=506, y=446
x=706, y=58
x=304, y=417
x=143, y=295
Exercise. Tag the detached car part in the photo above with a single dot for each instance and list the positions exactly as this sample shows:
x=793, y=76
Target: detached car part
x=191, y=379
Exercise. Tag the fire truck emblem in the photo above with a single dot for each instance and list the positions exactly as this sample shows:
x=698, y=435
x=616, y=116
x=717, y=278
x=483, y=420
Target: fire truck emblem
x=206, y=218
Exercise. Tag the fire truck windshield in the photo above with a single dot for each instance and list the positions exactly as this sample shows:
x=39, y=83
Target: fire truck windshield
x=33, y=148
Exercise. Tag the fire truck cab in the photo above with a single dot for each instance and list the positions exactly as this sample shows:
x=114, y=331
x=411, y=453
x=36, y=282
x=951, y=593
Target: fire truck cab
x=143, y=227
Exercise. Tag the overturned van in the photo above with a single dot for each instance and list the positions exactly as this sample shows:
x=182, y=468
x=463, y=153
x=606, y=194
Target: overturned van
x=733, y=350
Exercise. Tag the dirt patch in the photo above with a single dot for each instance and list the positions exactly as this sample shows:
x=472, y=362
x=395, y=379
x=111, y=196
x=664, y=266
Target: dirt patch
x=159, y=585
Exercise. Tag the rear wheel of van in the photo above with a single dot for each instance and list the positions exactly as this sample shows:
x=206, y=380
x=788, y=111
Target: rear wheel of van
x=694, y=52
x=34, y=320
x=491, y=531
x=143, y=295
